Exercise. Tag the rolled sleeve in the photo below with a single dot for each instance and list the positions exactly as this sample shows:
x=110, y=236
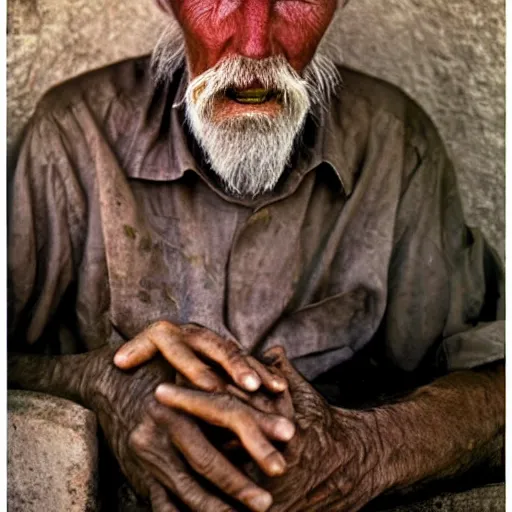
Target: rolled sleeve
x=40, y=253
x=446, y=284
x=475, y=328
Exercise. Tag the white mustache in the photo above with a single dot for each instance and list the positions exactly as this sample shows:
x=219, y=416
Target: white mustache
x=238, y=72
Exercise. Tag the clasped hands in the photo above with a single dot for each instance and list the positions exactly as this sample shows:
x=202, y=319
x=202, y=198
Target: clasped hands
x=175, y=391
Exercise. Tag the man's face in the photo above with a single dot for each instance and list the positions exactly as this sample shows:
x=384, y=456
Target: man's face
x=253, y=78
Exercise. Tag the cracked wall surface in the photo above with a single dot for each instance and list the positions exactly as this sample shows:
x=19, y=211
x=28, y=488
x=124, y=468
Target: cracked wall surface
x=448, y=55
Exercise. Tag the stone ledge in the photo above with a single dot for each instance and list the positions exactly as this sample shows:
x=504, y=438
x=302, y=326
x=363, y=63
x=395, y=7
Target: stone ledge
x=489, y=498
x=52, y=455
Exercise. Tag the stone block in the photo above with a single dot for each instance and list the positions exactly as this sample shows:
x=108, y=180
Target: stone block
x=52, y=455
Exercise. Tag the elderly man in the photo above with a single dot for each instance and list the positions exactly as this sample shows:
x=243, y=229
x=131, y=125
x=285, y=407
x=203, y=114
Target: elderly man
x=237, y=194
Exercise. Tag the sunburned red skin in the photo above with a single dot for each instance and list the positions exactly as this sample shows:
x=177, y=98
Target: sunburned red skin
x=257, y=29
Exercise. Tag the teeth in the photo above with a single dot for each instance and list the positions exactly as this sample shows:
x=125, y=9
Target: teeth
x=252, y=93
x=251, y=100
x=252, y=96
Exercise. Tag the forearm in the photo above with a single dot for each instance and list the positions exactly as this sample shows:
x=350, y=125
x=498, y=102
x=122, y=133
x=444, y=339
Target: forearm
x=442, y=429
x=65, y=376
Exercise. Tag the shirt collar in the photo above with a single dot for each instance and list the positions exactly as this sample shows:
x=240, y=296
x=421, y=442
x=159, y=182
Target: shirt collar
x=160, y=150
x=341, y=133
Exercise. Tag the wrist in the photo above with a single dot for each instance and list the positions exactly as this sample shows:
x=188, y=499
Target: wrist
x=398, y=461
x=73, y=377
x=365, y=440
x=97, y=375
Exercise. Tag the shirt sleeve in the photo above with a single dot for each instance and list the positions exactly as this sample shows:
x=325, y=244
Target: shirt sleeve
x=446, y=283
x=43, y=230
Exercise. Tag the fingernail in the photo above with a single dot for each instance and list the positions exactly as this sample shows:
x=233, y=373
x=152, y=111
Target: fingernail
x=279, y=385
x=162, y=389
x=285, y=429
x=277, y=466
x=251, y=382
x=120, y=358
x=260, y=502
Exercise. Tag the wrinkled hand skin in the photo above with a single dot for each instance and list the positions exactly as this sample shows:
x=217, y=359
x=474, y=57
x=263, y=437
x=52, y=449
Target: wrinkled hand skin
x=149, y=440
x=339, y=460
x=123, y=403
x=127, y=412
x=333, y=459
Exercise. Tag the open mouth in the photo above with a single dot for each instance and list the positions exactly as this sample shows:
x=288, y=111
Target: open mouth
x=253, y=96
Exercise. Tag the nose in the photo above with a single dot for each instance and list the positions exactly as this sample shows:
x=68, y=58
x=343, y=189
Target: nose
x=255, y=38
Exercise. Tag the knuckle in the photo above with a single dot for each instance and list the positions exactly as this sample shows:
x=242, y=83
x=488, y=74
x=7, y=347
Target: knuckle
x=182, y=483
x=233, y=353
x=227, y=402
x=138, y=439
x=242, y=420
x=246, y=418
x=193, y=330
x=156, y=411
x=231, y=411
x=195, y=336
x=205, y=462
x=160, y=325
x=163, y=327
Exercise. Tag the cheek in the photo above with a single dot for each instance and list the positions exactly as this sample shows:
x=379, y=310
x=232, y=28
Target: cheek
x=209, y=28
x=299, y=28
x=205, y=52
x=298, y=44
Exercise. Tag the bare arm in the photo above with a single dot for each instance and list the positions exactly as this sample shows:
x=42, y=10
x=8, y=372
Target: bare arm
x=64, y=376
x=341, y=459
x=444, y=428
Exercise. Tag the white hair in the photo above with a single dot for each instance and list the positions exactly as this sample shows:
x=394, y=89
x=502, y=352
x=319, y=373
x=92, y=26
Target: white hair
x=249, y=152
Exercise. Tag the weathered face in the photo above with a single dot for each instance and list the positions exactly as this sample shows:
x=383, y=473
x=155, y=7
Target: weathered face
x=254, y=76
x=257, y=29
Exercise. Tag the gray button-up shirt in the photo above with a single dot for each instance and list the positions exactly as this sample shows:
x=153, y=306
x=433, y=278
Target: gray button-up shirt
x=115, y=223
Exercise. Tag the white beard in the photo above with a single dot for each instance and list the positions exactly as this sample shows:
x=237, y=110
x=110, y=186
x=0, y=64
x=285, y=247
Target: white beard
x=249, y=152
x=249, y=155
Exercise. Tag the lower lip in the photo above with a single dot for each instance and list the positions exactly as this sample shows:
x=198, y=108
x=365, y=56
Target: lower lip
x=227, y=108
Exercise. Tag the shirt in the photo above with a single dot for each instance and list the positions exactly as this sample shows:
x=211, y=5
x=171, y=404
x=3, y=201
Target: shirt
x=115, y=223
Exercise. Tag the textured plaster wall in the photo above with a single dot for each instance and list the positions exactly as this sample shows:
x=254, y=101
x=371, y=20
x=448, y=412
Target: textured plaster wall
x=447, y=54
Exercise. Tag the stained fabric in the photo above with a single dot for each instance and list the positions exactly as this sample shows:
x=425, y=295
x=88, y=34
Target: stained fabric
x=115, y=223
